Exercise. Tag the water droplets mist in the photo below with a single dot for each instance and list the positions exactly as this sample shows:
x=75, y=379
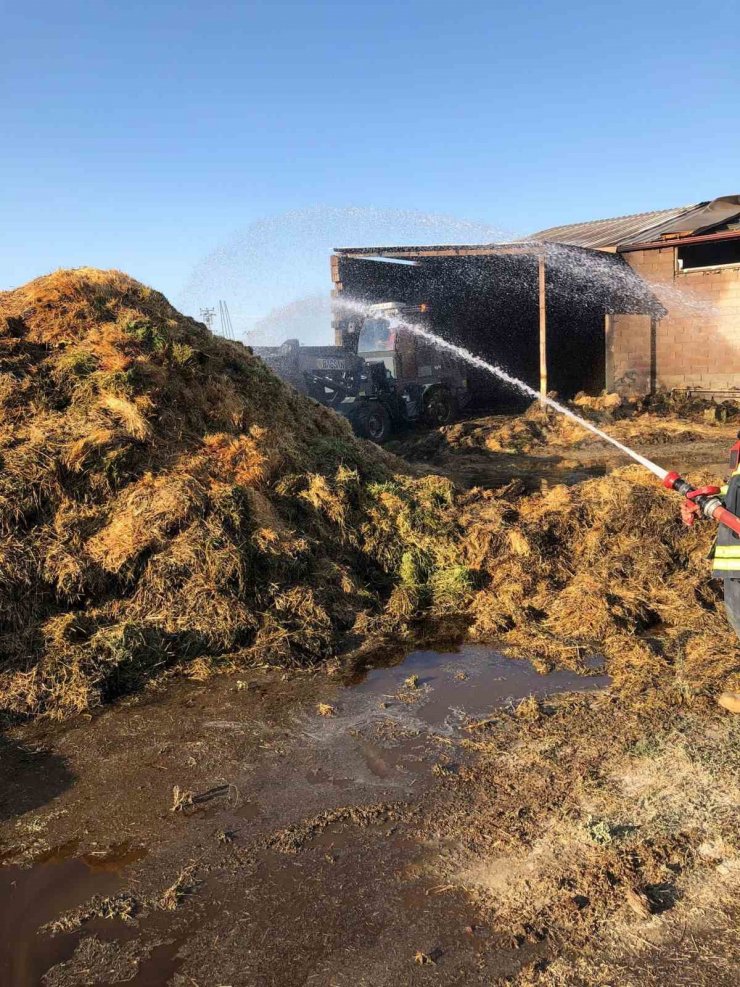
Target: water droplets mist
x=275, y=273
x=275, y=277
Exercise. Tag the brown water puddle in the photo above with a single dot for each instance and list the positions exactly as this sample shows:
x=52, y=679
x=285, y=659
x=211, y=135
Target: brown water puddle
x=453, y=687
x=31, y=897
x=387, y=728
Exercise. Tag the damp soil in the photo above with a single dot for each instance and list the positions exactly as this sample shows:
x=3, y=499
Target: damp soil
x=297, y=826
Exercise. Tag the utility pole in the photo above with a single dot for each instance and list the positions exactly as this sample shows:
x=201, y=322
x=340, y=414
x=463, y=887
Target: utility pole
x=207, y=315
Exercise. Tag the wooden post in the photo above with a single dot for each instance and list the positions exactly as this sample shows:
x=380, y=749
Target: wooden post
x=653, y=354
x=608, y=352
x=543, y=329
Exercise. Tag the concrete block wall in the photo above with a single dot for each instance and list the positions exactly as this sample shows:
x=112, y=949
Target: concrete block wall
x=697, y=344
x=630, y=341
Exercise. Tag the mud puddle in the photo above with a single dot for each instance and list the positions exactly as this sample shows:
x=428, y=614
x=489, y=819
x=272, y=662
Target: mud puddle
x=261, y=755
x=31, y=897
x=379, y=731
x=439, y=691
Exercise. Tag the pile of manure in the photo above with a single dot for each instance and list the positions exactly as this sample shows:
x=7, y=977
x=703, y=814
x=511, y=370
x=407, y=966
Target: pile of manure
x=167, y=502
x=602, y=568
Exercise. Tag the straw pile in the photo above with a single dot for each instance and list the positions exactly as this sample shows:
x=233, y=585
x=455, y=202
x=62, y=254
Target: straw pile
x=538, y=428
x=165, y=500
x=605, y=567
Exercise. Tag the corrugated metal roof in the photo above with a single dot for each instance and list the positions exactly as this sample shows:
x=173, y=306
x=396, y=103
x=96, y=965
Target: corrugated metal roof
x=604, y=233
x=597, y=234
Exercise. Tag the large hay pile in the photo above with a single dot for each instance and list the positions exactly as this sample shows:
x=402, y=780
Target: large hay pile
x=165, y=499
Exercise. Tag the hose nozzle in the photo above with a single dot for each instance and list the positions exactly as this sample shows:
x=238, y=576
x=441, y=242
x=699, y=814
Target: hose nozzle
x=670, y=480
x=707, y=499
x=674, y=481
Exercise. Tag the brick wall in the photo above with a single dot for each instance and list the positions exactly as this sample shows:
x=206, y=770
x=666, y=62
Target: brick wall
x=697, y=344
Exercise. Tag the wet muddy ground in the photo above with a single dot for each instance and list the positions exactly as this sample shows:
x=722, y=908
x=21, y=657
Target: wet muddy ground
x=297, y=827
x=471, y=467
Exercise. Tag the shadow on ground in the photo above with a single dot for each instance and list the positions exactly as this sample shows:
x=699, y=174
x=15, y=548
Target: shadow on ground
x=29, y=777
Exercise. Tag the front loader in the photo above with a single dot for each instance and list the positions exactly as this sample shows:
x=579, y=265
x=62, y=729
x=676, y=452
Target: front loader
x=382, y=377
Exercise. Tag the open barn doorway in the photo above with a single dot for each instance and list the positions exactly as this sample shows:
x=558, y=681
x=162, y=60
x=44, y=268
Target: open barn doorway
x=487, y=299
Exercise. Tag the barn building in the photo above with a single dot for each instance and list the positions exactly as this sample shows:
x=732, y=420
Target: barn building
x=690, y=259
x=636, y=304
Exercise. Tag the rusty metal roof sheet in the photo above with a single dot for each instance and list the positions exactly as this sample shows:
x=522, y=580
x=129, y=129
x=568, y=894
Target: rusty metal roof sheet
x=605, y=233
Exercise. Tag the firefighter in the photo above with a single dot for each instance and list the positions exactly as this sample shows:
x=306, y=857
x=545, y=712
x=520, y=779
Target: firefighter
x=725, y=558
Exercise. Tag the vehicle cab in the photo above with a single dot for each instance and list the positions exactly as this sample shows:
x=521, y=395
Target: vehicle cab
x=415, y=365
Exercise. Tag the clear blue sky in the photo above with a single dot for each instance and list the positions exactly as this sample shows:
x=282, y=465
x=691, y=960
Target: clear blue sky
x=146, y=135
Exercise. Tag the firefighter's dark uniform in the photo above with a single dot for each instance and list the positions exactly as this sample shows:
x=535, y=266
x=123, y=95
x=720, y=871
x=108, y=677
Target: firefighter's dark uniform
x=726, y=554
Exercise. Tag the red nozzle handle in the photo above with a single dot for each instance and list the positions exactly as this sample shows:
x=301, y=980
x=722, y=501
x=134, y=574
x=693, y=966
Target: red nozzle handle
x=711, y=507
x=703, y=492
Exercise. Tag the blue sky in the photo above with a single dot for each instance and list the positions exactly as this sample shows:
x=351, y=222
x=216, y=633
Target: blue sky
x=153, y=136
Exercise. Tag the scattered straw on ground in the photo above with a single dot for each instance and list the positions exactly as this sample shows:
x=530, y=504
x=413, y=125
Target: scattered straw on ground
x=605, y=833
x=652, y=421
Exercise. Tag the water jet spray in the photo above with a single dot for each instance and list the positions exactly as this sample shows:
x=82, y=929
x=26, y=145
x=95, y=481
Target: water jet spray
x=706, y=498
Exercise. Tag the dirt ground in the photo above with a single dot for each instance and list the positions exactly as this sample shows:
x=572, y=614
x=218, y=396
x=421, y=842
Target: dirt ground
x=454, y=819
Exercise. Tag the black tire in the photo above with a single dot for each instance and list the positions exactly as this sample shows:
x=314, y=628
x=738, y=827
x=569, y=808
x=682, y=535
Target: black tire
x=373, y=422
x=439, y=407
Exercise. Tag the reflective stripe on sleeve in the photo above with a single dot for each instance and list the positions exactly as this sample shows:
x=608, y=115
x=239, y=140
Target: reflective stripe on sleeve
x=726, y=565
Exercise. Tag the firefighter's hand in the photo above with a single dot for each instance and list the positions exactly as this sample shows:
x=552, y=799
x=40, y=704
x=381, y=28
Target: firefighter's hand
x=690, y=512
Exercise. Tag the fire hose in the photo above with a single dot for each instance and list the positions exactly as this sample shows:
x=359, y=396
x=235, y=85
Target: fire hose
x=706, y=499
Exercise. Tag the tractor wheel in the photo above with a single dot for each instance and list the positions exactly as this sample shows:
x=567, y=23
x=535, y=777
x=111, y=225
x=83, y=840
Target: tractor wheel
x=373, y=422
x=439, y=407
